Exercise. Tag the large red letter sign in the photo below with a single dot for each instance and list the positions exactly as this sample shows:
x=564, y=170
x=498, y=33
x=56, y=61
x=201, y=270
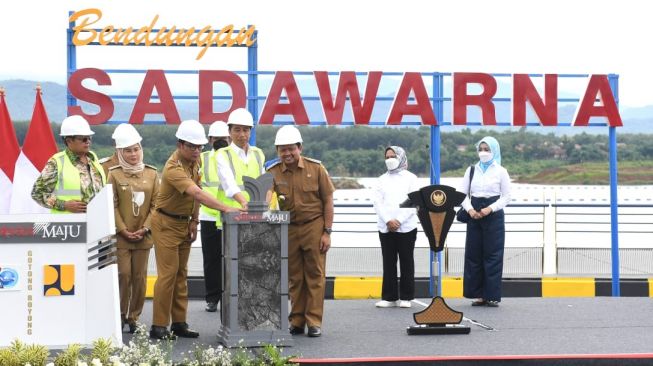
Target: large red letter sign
x=524, y=92
x=347, y=84
x=598, y=87
x=155, y=79
x=238, y=94
x=412, y=82
x=283, y=80
x=484, y=100
x=78, y=91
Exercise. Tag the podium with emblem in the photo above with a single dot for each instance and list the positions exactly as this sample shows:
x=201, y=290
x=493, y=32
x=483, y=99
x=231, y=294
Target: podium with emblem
x=57, y=289
x=435, y=210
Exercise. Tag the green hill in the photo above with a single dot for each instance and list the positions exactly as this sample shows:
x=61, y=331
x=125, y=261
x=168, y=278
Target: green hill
x=629, y=173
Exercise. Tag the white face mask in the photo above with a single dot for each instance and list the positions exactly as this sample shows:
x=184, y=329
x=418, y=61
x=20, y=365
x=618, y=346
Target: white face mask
x=138, y=198
x=392, y=163
x=485, y=156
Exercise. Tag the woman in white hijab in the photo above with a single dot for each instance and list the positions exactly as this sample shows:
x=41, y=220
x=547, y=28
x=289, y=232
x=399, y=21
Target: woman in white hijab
x=490, y=193
x=134, y=187
x=397, y=229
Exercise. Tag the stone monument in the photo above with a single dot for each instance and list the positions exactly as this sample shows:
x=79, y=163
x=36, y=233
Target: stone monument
x=254, y=309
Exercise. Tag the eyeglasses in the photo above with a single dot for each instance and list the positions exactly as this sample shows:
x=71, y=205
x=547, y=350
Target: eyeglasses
x=190, y=146
x=83, y=139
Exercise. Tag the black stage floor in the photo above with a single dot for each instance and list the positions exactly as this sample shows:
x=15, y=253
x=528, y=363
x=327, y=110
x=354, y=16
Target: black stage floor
x=354, y=331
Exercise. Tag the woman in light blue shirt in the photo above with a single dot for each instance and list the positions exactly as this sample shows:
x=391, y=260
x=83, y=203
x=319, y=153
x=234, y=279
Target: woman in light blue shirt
x=490, y=193
x=397, y=229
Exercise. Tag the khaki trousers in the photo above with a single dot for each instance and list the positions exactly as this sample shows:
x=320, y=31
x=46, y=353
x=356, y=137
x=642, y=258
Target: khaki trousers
x=132, y=281
x=306, y=273
x=171, y=249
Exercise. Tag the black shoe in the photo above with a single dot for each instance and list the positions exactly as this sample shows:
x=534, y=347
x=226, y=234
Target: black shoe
x=211, y=307
x=296, y=330
x=182, y=330
x=132, y=327
x=158, y=332
x=479, y=302
x=493, y=304
x=314, y=331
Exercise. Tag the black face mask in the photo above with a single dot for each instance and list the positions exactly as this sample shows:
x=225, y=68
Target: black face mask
x=219, y=144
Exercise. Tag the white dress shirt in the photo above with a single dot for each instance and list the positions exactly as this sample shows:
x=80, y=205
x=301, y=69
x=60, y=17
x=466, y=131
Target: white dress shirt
x=495, y=181
x=392, y=190
x=227, y=179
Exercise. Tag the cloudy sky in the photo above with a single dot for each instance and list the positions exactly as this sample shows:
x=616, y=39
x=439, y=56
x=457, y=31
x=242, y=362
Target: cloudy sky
x=408, y=35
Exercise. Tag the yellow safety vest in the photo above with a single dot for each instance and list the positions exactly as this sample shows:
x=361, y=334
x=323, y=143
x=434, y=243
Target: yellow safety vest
x=239, y=168
x=69, y=185
x=211, y=183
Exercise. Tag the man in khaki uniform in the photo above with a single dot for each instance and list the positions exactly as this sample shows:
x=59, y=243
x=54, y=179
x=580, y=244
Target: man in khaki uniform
x=134, y=186
x=304, y=188
x=174, y=225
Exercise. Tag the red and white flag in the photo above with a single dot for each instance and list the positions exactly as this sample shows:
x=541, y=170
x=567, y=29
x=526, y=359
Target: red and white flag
x=38, y=147
x=8, y=153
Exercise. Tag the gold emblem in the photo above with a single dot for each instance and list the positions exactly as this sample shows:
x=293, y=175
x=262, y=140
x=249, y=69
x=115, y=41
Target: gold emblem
x=438, y=198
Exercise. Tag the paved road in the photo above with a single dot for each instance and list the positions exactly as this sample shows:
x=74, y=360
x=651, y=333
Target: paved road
x=355, y=328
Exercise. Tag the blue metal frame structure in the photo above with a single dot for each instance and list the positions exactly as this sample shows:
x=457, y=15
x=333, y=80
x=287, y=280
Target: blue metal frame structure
x=438, y=100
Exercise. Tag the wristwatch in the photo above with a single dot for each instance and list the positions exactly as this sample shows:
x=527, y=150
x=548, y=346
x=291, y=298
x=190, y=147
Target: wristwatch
x=327, y=230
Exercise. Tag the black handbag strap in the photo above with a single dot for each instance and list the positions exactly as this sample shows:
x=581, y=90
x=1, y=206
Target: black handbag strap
x=471, y=176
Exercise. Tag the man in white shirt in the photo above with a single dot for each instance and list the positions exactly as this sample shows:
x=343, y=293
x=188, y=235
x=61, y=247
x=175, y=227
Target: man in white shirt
x=238, y=159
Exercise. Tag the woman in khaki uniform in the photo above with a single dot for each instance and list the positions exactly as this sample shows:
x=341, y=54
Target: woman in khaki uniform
x=134, y=187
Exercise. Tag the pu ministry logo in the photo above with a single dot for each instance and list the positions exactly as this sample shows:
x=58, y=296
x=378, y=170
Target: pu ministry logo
x=58, y=279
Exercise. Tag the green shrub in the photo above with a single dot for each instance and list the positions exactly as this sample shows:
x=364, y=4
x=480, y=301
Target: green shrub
x=70, y=356
x=102, y=350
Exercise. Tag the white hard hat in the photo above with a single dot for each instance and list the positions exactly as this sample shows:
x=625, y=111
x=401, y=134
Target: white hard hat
x=242, y=117
x=191, y=131
x=126, y=135
x=75, y=126
x=218, y=129
x=288, y=135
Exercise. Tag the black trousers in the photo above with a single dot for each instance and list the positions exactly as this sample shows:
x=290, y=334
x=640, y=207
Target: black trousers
x=484, y=253
x=400, y=245
x=212, y=256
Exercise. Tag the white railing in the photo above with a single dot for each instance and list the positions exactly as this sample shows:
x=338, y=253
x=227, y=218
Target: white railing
x=547, y=235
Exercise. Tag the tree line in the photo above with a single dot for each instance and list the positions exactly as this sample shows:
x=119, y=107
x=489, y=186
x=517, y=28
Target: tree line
x=358, y=151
